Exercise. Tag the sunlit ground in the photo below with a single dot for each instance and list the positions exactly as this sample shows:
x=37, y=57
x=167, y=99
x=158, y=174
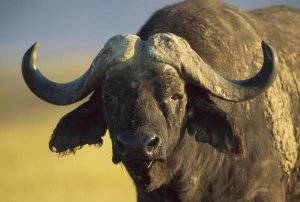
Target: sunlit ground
x=29, y=171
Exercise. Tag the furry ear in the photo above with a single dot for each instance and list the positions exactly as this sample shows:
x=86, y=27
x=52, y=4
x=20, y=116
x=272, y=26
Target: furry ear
x=84, y=125
x=211, y=125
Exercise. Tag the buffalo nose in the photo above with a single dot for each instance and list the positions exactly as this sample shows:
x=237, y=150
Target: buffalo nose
x=151, y=144
x=130, y=146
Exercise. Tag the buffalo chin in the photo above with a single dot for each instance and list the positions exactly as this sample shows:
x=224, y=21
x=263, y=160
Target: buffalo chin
x=147, y=174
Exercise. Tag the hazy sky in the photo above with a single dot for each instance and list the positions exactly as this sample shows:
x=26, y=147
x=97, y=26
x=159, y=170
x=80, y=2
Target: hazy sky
x=80, y=26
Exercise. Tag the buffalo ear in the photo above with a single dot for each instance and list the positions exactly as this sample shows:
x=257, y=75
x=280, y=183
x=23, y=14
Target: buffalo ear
x=84, y=125
x=211, y=125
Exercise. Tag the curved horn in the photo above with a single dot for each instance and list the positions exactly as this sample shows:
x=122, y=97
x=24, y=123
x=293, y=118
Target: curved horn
x=56, y=93
x=235, y=90
x=119, y=49
x=176, y=51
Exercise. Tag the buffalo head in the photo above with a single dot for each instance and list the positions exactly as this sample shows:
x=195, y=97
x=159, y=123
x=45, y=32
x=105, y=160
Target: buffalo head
x=149, y=95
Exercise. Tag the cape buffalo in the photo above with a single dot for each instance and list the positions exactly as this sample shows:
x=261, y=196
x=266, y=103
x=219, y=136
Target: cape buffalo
x=181, y=127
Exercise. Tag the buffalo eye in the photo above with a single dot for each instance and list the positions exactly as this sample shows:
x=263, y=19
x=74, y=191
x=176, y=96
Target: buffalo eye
x=176, y=97
x=108, y=98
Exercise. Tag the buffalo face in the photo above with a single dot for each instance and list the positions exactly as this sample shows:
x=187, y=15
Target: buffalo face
x=145, y=113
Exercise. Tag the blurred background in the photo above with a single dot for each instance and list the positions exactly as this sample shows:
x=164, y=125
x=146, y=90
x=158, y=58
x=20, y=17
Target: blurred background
x=71, y=33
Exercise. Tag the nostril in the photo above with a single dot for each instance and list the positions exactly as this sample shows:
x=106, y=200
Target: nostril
x=153, y=143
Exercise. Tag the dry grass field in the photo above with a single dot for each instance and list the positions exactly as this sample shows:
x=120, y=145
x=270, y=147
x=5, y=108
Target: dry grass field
x=28, y=170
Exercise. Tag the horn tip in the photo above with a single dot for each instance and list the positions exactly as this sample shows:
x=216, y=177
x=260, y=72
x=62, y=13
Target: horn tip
x=33, y=49
x=35, y=46
x=267, y=50
x=265, y=45
x=29, y=58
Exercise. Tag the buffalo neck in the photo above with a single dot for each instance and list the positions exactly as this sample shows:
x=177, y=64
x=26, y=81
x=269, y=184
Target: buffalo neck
x=198, y=167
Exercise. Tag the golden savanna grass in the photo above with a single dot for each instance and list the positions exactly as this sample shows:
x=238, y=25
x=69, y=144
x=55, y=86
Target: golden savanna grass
x=28, y=170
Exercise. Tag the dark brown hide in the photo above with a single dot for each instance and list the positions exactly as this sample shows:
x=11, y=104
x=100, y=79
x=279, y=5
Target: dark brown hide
x=190, y=169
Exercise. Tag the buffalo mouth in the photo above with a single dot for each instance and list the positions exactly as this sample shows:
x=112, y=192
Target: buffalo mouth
x=141, y=170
